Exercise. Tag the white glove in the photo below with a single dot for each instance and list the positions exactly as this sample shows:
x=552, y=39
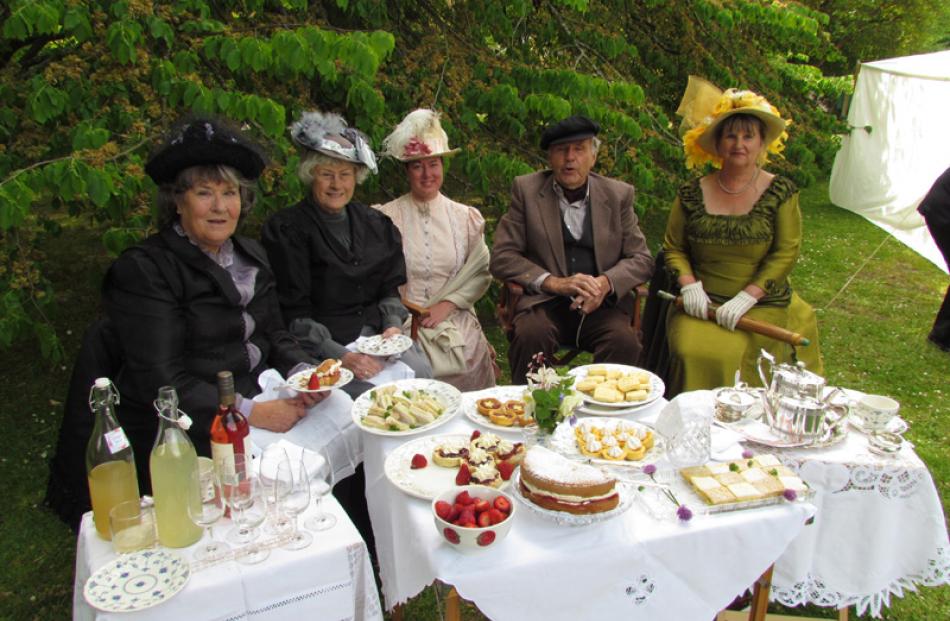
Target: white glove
x=729, y=313
x=695, y=300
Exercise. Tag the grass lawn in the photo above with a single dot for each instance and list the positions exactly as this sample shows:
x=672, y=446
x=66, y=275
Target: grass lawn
x=873, y=336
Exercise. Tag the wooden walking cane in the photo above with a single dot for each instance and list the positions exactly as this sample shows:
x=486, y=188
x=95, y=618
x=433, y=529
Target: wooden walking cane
x=749, y=325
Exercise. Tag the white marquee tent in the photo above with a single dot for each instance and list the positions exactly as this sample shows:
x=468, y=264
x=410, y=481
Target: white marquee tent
x=898, y=145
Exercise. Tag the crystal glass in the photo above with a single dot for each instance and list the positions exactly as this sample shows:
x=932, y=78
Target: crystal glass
x=132, y=525
x=209, y=511
x=296, y=500
x=692, y=445
x=242, y=491
x=274, y=459
x=321, y=483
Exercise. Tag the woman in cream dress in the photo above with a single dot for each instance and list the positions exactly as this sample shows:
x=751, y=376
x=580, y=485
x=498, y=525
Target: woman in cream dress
x=446, y=256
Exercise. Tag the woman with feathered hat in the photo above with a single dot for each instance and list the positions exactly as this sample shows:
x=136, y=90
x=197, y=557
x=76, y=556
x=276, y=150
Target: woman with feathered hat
x=446, y=255
x=338, y=263
x=732, y=238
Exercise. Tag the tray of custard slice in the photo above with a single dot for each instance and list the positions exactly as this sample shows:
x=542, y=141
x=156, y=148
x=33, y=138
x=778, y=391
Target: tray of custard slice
x=744, y=483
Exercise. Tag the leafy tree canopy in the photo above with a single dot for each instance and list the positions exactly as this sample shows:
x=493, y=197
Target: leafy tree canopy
x=88, y=87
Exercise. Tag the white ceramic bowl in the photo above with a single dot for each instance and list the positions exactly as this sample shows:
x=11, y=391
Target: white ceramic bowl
x=468, y=539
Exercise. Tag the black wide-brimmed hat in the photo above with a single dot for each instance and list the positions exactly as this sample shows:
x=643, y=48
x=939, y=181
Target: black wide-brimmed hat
x=204, y=141
x=572, y=128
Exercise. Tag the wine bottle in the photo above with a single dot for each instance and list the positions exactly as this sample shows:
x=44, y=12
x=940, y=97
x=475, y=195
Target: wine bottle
x=110, y=463
x=229, y=430
x=172, y=466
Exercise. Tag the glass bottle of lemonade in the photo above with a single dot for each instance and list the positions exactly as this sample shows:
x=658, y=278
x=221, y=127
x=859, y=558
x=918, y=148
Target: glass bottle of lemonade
x=110, y=464
x=229, y=430
x=172, y=466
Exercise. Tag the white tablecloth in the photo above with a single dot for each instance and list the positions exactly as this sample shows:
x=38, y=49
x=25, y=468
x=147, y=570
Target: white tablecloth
x=631, y=566
x=331, y=579
x=880, y=529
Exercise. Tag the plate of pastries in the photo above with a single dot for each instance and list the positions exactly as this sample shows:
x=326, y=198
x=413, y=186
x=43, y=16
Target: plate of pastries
x=427, y=466
x=500, y=408
x=617, y=385
x=744, y=483
x=608, y=441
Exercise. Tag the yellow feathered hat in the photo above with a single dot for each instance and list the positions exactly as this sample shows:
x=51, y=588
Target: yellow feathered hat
x=704, y=106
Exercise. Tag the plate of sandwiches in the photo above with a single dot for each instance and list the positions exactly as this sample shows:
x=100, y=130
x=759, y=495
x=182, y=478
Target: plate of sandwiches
x=617, y=385
x=427, y=466
x=500, y=408
x=406, y=407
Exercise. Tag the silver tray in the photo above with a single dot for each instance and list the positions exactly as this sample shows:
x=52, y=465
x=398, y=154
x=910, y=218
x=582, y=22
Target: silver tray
x=755, y=430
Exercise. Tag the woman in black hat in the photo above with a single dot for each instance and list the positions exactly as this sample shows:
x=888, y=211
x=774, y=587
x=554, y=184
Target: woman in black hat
x=189, y=301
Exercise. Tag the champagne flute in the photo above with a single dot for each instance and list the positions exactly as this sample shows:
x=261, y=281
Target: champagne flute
x=209, y=511
x=296, y=500
x=320, y=485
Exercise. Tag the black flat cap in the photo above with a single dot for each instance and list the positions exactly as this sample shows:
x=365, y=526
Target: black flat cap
x=204, y=141
x=568, y=130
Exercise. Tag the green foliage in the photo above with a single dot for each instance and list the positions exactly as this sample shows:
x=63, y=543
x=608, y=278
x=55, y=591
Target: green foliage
x=87, y=88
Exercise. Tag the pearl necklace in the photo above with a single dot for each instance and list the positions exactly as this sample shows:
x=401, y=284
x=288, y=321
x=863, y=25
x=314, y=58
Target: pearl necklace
x=748, y=185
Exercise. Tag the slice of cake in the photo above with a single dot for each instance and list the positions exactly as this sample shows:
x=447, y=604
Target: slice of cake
x=554, y=482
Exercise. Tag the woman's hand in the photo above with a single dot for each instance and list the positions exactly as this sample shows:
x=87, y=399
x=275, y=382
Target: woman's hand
x=437, y=313
x=695, y=300
x=363, y=366
x=278, y=415
x=310, y=399
x=393, y=331
x=728, y=314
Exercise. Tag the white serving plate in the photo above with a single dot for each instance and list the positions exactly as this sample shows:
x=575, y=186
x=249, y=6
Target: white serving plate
x=657, y=387
x=137, y=581
x=502, y=393
x=428, y=482
x=564, y=442
x=298, y=381
x=447, y=394
x=378, y=346
x=570, y=519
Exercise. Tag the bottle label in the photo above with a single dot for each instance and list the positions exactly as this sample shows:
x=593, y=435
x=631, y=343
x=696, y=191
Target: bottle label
x=116, y=440
x=223, y=456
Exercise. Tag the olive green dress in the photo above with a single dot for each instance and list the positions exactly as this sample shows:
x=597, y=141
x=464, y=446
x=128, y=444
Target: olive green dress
x=727, y=253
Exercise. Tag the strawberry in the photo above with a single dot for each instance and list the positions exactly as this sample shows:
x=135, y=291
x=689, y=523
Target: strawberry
x=463, y=498
x=443, y=509
x=451, y=535
x=496, y=516
x=486, y=538
x=505, y=469
x=419, y=461
x=475, y=434
x=467, y=517
x=314, y=382
x=481, y=505
x=454, y=514
x=503, y=505
x=462, y=478
x=484, y=520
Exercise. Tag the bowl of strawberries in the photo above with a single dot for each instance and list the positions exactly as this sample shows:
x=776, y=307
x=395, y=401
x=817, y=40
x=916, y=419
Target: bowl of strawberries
x=473, y=517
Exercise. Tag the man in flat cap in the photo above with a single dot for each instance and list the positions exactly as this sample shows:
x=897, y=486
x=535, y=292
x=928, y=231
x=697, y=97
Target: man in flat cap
x=571, y=239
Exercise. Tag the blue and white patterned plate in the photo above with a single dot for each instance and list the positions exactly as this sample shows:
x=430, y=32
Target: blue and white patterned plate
x=137, y=581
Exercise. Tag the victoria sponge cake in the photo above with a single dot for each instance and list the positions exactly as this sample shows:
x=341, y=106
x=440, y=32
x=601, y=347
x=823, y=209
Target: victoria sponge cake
x=554, y=482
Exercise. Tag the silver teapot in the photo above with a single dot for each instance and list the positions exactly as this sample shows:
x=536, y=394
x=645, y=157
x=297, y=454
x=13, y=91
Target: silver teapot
x=795, y=405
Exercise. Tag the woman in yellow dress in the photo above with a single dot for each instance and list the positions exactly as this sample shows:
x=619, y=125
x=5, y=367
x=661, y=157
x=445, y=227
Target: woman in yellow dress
x=732, y=239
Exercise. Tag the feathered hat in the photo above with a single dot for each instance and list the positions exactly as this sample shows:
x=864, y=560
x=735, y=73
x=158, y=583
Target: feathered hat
x=203, y=141
x=419, y=135
x=328, y=133
x=704, y=106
